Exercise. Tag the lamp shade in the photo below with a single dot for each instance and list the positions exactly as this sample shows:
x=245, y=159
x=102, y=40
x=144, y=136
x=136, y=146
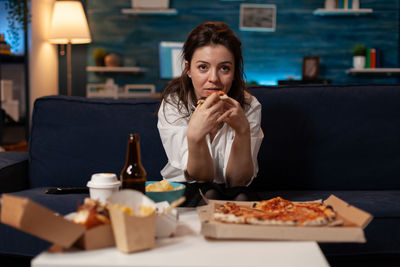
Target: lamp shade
x=69, y=24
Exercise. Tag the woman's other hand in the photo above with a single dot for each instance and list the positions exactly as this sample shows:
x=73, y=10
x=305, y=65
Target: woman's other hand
x=205, y=118
x=234, y=116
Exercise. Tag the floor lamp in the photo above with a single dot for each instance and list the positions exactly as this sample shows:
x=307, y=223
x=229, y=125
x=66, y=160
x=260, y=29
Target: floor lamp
x=69, y=26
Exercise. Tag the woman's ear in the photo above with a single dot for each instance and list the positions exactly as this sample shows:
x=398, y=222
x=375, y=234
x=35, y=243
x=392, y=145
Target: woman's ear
x=187, y=68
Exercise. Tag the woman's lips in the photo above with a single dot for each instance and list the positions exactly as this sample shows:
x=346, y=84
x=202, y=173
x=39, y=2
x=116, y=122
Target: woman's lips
x=209, y=91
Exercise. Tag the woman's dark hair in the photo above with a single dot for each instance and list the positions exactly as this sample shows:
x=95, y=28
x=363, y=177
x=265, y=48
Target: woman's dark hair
x=207, y=33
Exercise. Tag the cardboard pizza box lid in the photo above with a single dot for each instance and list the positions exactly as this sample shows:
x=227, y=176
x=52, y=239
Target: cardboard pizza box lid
x=30, y=217
x=351, y=213
x=351, y=231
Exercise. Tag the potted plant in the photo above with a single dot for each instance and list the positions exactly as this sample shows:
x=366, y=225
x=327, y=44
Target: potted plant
x=99, y=55
x=359, y=56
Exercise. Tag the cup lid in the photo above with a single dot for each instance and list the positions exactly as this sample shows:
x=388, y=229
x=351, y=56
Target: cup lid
x=103, y=180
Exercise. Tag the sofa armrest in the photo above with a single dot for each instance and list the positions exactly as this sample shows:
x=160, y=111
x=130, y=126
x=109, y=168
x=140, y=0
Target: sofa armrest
x=14, y=171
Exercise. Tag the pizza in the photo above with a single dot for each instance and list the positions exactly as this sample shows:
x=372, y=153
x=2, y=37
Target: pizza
x=276, y=211
x=221, y=94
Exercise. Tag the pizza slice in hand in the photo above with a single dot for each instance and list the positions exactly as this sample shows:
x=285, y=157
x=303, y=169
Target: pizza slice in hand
x=222, y=95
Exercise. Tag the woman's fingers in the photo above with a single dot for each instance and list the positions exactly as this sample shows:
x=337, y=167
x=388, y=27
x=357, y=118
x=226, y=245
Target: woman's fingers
x=211, y=100
x=224, y=116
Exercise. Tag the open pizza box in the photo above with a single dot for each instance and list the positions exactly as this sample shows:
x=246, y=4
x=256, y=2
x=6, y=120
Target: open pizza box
x=351, y=230
x=35, y=219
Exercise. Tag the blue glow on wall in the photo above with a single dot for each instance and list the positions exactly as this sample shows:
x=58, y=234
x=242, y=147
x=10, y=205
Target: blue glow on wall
x=268, y=56
x=19, y=49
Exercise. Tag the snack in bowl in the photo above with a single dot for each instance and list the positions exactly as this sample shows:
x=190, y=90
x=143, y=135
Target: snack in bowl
x=164, y=190
x=91, y=214
x=161, y=186
x=277, y=212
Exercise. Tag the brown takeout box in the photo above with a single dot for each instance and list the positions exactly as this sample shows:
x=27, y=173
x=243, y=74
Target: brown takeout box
x=132, y=233
x=352, y=229
x=30, y=217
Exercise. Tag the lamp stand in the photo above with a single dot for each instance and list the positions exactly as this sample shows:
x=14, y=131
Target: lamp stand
x=69, y=74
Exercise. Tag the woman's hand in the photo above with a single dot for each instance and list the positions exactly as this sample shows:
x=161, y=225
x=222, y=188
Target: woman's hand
x=205, y=118
x=234, y=116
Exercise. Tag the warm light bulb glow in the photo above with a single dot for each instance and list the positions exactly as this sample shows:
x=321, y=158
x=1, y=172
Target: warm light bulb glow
x=69, y=24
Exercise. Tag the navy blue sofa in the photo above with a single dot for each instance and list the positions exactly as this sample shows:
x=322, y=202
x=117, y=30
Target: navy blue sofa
x=319, y=140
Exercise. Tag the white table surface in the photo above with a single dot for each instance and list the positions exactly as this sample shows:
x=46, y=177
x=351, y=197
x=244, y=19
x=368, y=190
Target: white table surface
x=189, y=248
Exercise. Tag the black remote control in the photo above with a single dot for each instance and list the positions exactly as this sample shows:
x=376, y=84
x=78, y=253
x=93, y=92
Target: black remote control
x=67, y=190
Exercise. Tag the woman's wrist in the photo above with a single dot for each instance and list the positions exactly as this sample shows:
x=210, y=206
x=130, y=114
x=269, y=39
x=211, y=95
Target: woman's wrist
x=194, y=137
x=244, y=131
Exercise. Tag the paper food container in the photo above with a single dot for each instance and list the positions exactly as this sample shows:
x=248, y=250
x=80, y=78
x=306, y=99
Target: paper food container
x=30, y=217
x=352, y=229
x=132, y=233
x=167, y=223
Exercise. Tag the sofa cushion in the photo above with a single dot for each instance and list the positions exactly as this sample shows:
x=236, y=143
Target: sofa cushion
x=13, y=171
x=74, y=137
x=329, y=137
x=14, y=241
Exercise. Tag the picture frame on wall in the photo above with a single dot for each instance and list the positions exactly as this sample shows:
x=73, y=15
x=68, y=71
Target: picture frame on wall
x=310, y=68
x=257, y=17
x=171, y=61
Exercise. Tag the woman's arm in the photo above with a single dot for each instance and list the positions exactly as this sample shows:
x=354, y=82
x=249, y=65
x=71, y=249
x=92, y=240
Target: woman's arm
x=240, y=164
x=240, y=169
x=200, y=166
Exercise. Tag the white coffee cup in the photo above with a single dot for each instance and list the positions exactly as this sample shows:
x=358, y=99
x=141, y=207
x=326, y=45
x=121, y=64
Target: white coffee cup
x=102, y=185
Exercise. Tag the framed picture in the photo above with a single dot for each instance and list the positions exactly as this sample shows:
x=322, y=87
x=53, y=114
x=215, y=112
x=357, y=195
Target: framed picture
x=310, y=68
x=171, y=62
x=257, y=17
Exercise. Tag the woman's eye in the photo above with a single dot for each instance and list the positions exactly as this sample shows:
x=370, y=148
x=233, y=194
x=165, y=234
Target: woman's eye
x=202, y=67
x=225, y=68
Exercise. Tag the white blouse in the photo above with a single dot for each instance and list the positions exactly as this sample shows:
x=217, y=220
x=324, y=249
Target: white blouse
x=172, y=127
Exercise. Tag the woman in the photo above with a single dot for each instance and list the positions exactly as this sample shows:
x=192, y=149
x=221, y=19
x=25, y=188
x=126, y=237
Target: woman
x=213, y=145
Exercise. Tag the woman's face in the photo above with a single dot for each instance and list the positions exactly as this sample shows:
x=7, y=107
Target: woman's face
x=211, y=69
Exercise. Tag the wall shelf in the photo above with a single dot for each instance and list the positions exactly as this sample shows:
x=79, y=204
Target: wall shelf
x=375, y=72
x=342, y=12
x=115, y=69
x=131, y=11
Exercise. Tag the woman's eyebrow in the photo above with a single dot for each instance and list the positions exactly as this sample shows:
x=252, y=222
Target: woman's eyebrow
x=223, y=62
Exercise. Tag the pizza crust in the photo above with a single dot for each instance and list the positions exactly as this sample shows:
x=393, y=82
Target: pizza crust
x=222, y=96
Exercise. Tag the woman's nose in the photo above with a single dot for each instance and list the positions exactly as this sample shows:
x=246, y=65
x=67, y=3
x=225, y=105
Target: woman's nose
x=213, y=76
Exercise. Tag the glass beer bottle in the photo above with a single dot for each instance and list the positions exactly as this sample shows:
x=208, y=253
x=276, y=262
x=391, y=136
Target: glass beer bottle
x=133, y=175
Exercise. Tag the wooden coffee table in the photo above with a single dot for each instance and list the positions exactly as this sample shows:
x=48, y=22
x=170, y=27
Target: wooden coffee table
x=189, y=248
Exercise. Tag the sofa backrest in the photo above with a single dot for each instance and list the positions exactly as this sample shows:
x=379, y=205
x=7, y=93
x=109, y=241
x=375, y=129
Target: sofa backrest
x=329, y=137
x=74, y=137
x=316, y=137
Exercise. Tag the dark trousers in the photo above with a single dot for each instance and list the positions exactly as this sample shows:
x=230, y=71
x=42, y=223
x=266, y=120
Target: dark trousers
x=217, y=191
